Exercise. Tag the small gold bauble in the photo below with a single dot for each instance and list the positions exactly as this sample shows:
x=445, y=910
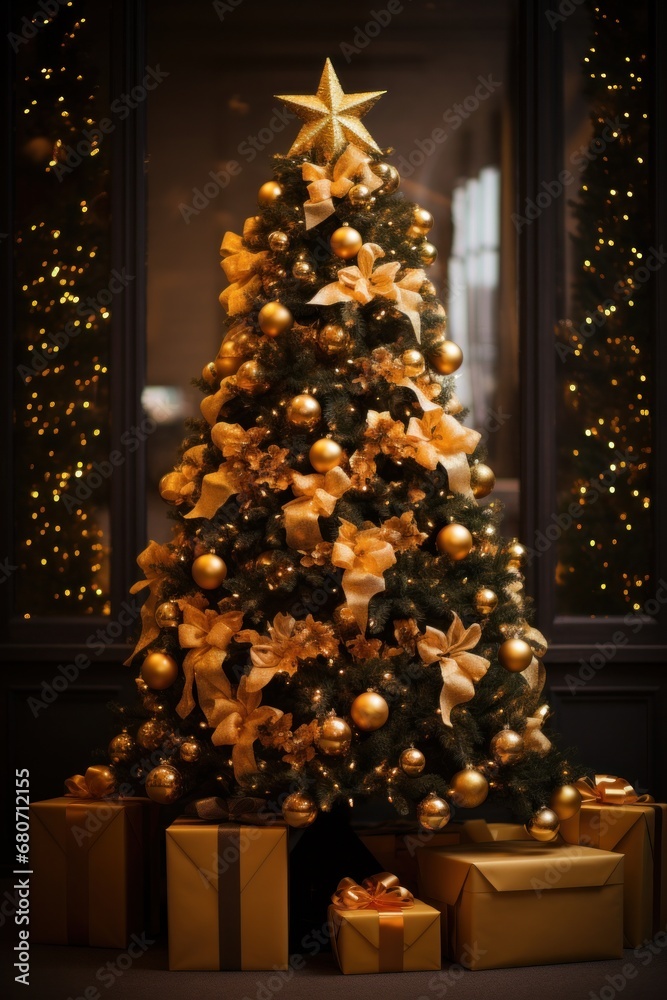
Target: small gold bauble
x=333, y=338
x=325, y=454
x=413, y=362
x=359, y=194
x=369, y=711
x=412, y=762
x=304, y=411
x=151, y=734
x=278, y=241
x=516, y=553
x=482, y=480
x=167, y=615
x=251, y=378
x=422, y=220
x=334, y=737
x=515, y=655
x=190, y=751
x=159, y=670
x=389, y=176
x=433, y=813
x=164, y=784
x=468, y=788
x=446, y=357
x=543, y=825
x=303, y=271
x=455, y=541
x=170, y=486
x=428, y=254
x=566, y=801
x=269, y=192
x=237, y=346
x=208, y=571
x=507, y=747
x=122, y=748
x=209, y=373
x=274, y=319
x=299, y=810
x=346, y=242
x=346, y=623
x=486, y=600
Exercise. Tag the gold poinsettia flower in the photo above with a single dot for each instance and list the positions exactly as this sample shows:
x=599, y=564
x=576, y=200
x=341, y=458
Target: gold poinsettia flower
x=403, y=532
x=288, y=642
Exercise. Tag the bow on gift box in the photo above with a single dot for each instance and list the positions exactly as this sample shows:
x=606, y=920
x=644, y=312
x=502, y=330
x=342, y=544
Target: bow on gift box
x=240, y=267
x=327, y=183
x=316, y=496
x=379, y=892
x=97, y=783
x=610, y=790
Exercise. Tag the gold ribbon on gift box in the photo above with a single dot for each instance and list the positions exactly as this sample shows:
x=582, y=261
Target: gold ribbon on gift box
x=610, y=790
x=384, y=894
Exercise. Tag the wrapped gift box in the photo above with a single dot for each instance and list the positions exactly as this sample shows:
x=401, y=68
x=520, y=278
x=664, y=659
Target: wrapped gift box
x=94, y=876
x=515, y=903
x=227, y=896
x=376, y=941
x=478, y=831
x=639, y=832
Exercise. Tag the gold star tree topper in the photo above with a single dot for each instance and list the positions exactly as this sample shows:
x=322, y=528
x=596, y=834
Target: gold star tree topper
x=332, y=118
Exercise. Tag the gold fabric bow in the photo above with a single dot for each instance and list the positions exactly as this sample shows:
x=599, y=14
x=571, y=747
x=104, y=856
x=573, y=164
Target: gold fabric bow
x=382, y=364
x=533, y=737
x=379, y=892
x=240, y=267
x=288, y=642
x=610, y=790
x=150, y=561
x=206, y=634
x=440, y=438
x=327, y=183
x=459, y=667
x=360, y=283
x=95, y=784
x=316, y=496
x=364, y=554
x=179, y=484
x=211, y=405
x=238, y=722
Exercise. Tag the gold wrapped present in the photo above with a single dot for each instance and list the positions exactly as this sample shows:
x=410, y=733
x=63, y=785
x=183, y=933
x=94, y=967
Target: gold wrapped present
x=478, y=831
x=397, y=852
x=614, y=818
x=515, y=903
x=227, y=896
x=379, y=926
x=93, y=879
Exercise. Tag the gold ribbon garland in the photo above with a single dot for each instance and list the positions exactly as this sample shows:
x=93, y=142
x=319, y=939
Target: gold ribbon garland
x=96, y=783
x=608, y=789
x=364, y=554
x=379, y=892
x=206, y=634
x=315, y=496
x=327, y=182
x=241, y=267
x=459, y=667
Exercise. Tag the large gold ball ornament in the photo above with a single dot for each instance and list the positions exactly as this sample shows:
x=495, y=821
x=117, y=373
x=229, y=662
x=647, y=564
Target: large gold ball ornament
x=164, y=784
x=486, y=600
x=516, y=553
x=299, y=810
x=122, y=748
x=468, y=788
x=209, y=373
x=334, y=737
x=325, y=454
x=170, y=486
x=278, y=241
x=369, y=711
x=455, y=541
x=274, y=319
x=167, y=615
x=346, y=242
x=413, y=362
x=333, y=338
x=190, y=751
x=159, y=671
x=208, y=571
x=515, y=655
x=251, y=378
x=422, y=220
x=482, y=480
x=412, y=762
x=446, y=357
x=543, y=825
x=304, y=411
x=428, y=254
x=433, y=813
x=359, y=195
x=507, y=747
x=151, y=734
x=389, y=176
x=269, y=192
x=566, y=801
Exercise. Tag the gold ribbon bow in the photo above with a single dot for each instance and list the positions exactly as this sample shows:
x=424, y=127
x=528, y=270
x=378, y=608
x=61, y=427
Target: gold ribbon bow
x=610, y=790
x=218, y=487
x=379, y=892
x=315, y=496
x=238, y=721
x=439, y=438
x=533, y=737
x=360, y=283
x=240, y=267
x=96, y=783
x=459, y=667
x=206, y=634
x=327, y=183
x=288, y=642
x=149, y=561
x=364, y=554
x=179, y=484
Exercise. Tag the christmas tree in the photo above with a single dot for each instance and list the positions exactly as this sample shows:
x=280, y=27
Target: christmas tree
x=336, y=615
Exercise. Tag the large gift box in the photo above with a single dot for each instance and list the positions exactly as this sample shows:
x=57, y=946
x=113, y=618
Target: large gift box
x=378, y=926
x=636, y=829
x=94, y=877
x=227, y=896
x=515, y=903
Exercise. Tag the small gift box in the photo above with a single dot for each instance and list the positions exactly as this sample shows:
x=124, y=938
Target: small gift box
x=614, y=818
x=379, y=926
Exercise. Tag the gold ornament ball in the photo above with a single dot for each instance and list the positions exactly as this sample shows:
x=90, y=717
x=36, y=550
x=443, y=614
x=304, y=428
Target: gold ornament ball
x=333, y=338
x=299, y=810
x=209, y=373
x=446, y=357
x=346, y=242
x=369, y=711
x=507, y=747
x=428, y=254
x=482, y=480
x=164, y=784
x=566, y=801
x=304, y=411
x=303, y=271
x=517, y=553
x=455, y=541
x=486, y=600
x=167, y=615
x=278, y=241
x=274, y=319
x=208, y=571
x=122, y=748
x=359, y=195
x=468, y=788
x=251, y=378
x=422, y=220
x=543, y=825
x=190, y=751
x=238, y=345
x=325, y=454
x=151, y=734
x=413, y=362
x=334, y=737
x=269, y=192
x=169, y=485
x=515, y=655
x=412, y=762
x=159, y=671
x=433, y=813
x=389, y=176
